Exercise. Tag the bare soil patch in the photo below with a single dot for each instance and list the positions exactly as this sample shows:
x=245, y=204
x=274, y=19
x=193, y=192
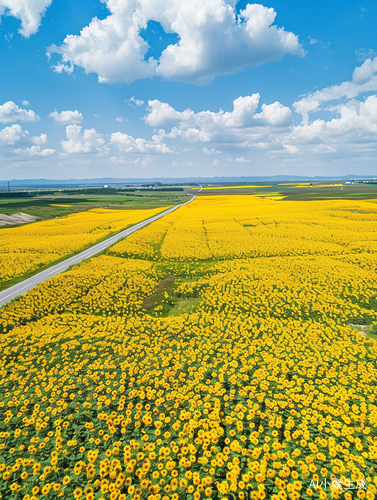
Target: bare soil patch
x=151, y=301
x=15, y=219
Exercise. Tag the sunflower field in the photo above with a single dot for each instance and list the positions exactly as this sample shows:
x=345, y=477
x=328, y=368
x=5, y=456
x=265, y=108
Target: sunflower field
x=213, y=354
x=28, y=248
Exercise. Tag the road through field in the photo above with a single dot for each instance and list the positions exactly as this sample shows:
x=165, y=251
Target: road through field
x=26, y=285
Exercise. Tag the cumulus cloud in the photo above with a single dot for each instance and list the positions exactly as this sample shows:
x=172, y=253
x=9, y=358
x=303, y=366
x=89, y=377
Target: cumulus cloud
x=161, y=113
x=13, y=134
x=366, y=71
x=88, y=141
x=67, y=117
x=34, y=151
x=242, y=125
x=29, y=12
x=275, y=115
x=242, y=116
x=270, y=127
x=10, y=112
x=127, y=144
x=42, y=139
x=357, y=123
x=213, y=40
x=25, y=103
x=364, y=79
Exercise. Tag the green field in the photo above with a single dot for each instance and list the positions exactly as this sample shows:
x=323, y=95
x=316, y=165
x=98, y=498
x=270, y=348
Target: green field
x=43, y=206
x=294, y=191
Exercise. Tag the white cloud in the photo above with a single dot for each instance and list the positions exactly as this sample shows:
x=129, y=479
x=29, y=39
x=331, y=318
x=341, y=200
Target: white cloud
x=210, y=151
x=34, y=151
x=25, y=103
x=134, y=102
x=29, y=12
x=10, y=112
x=213, y=40
x=357, y=123
x=13, y=134
x=127, y=144
x=90, y=141
x=356, y=120
x=66, y=117
x=243, y=113
x=120, y=119
x=241, y=159
x=364, y=79
x=353, y=122
x=59, y=68
x=188, y=134
x=353, y=127
x=291, y=149
x=161, y=113
x=323, y=148
x=215, y=163
x=42, y=139
x=275, y=115
x=242, y=116
x=365, y=71
x=240, y=126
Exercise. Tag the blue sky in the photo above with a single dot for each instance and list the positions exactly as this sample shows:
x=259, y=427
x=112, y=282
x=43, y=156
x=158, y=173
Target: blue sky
x=172, y=88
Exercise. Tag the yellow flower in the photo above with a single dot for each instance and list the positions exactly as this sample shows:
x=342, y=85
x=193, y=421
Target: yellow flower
x=77, y=493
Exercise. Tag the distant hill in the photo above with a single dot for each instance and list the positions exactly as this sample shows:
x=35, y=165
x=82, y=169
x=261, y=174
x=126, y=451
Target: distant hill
x=109, y=181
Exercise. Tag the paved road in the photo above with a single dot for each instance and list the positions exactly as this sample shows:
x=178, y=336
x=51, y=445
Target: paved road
x=26, y=285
